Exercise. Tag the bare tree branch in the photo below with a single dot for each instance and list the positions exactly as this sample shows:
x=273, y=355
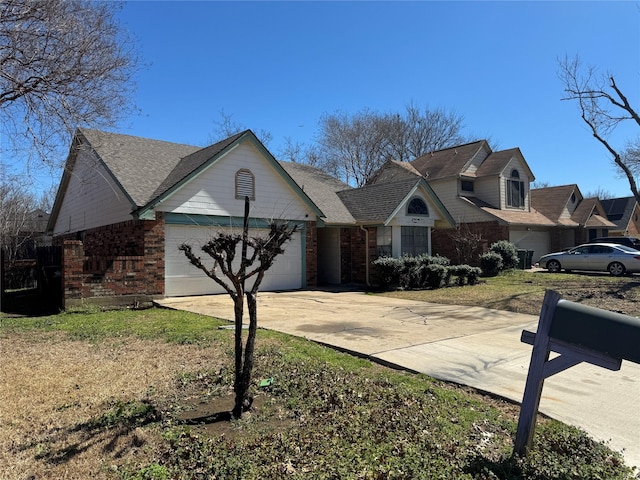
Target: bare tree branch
x=63, y=64
x=603, y=106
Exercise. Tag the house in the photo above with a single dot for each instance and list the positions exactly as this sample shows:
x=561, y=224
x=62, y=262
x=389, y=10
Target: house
x=487, y=193
x=625, y=214
x=364, y=223
x=577, y=219
x=125, y=204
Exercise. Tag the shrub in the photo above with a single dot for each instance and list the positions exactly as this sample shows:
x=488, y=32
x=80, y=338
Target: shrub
x=389, y=272
x=508, y=252
x=435, y=275
x=491, y=264
x=411, y=272
x=465, y=274
x=422, y=271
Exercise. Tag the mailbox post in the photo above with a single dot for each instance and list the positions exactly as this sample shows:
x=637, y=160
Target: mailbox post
x=579, y=334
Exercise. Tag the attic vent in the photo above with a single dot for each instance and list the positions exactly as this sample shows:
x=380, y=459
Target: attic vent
x=245, y=184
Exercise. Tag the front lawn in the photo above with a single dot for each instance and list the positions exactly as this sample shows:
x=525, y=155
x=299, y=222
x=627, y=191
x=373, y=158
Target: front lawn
x=522, y=291
x=143, y=395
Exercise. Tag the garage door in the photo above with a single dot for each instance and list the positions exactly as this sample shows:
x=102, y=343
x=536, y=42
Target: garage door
x=537, y=241
x=182, y=278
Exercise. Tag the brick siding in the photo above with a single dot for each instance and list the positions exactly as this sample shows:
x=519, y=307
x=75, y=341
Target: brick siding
x=311, y=254
x=353, y=255
x=122, y=262
x=490, y=232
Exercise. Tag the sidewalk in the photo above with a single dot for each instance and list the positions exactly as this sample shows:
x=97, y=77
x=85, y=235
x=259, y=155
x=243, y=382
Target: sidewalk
x=472, y=346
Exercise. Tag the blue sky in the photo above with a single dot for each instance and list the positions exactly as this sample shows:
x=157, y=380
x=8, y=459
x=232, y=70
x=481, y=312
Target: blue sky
x=279, y=66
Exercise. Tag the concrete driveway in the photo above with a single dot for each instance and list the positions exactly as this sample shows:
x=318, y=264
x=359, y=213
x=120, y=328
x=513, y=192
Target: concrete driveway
x=472, y=346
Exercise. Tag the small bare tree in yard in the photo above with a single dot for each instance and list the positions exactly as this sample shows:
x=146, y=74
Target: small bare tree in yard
x=467, y=243
x=257, y=256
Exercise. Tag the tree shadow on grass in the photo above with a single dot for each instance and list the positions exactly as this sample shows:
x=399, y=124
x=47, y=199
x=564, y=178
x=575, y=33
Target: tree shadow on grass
x=115, y=430
x=506, y=468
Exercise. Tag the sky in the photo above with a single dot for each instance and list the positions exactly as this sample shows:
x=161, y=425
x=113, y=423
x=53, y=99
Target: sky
x=280, y=66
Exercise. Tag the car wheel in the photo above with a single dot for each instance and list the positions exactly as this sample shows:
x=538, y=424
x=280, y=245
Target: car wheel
x=616, y=269
x=553, y=266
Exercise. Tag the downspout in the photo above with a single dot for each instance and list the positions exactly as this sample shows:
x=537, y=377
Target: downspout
x=366, y=254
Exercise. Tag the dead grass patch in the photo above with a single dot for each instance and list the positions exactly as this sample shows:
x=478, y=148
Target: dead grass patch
x=55, y=391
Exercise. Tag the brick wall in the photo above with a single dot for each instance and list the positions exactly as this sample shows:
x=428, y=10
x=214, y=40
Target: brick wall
x=489, y=232
x=353, y=255
x=118, y=263
x=311, y=252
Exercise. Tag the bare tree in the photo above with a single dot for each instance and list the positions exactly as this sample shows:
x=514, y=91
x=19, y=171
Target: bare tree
x=262, y=251
x=599, y=193
x=422, y=131
x=17, y=205
x=62, y=64
x=226, y=126
x=354, y=147
x=603, y=106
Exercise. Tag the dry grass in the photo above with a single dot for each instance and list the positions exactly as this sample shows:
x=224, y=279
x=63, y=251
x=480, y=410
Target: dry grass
x=52, y=390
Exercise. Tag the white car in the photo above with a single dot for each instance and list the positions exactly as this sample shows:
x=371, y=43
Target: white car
x=600, y=257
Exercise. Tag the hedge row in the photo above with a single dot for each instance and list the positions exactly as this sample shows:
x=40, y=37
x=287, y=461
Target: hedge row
x=423, y=271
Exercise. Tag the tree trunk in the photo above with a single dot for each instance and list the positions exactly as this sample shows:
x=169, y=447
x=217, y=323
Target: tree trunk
x=238, y=389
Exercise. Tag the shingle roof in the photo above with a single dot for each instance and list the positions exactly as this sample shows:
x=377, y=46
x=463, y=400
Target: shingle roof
x=193, y=162
x=552, y=201
x=321, y=188
x=587, y=214
x=147, y=169
x=619, y=210
x=496, y=162
x=448, y=162
x=140, y=165
x=376, y=202
x=511, y=217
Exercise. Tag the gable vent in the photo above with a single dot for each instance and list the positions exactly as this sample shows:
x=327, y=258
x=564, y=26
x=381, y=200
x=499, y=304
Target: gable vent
x=245, y=184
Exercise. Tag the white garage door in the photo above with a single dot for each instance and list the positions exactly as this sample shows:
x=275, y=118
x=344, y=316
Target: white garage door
x=182, y=278
x=537, y=241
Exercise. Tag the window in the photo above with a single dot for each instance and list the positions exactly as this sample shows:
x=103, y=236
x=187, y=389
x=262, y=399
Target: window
x=245, y=184
x=415, y=240
x=466, y=185
x=383, y=241
x=417, y=207
x=515, y=190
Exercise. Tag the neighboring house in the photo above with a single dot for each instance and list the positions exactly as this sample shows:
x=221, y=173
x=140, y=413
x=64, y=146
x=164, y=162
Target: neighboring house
x=389, y=219
x=577, y=219
x=125, y=204
x=485, y=192
x=625, y=214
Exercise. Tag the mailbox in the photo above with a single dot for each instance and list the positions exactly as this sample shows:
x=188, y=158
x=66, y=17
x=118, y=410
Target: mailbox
x=611, y=333
x=579, y=334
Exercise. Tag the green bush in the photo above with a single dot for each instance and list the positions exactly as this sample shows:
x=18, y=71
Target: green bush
x=465, y=274
x=435, y=275
x=491, y=264
x=508, y=252
x=389, y=272
x=422, y=271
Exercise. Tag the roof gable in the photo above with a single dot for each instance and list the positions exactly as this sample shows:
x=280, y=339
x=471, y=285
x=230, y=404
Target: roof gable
x=193, y=163
x=449, y=162
x=148, y=171
x=619, y=210
x=552, y=202
x=380, y=202
x=497, y=162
